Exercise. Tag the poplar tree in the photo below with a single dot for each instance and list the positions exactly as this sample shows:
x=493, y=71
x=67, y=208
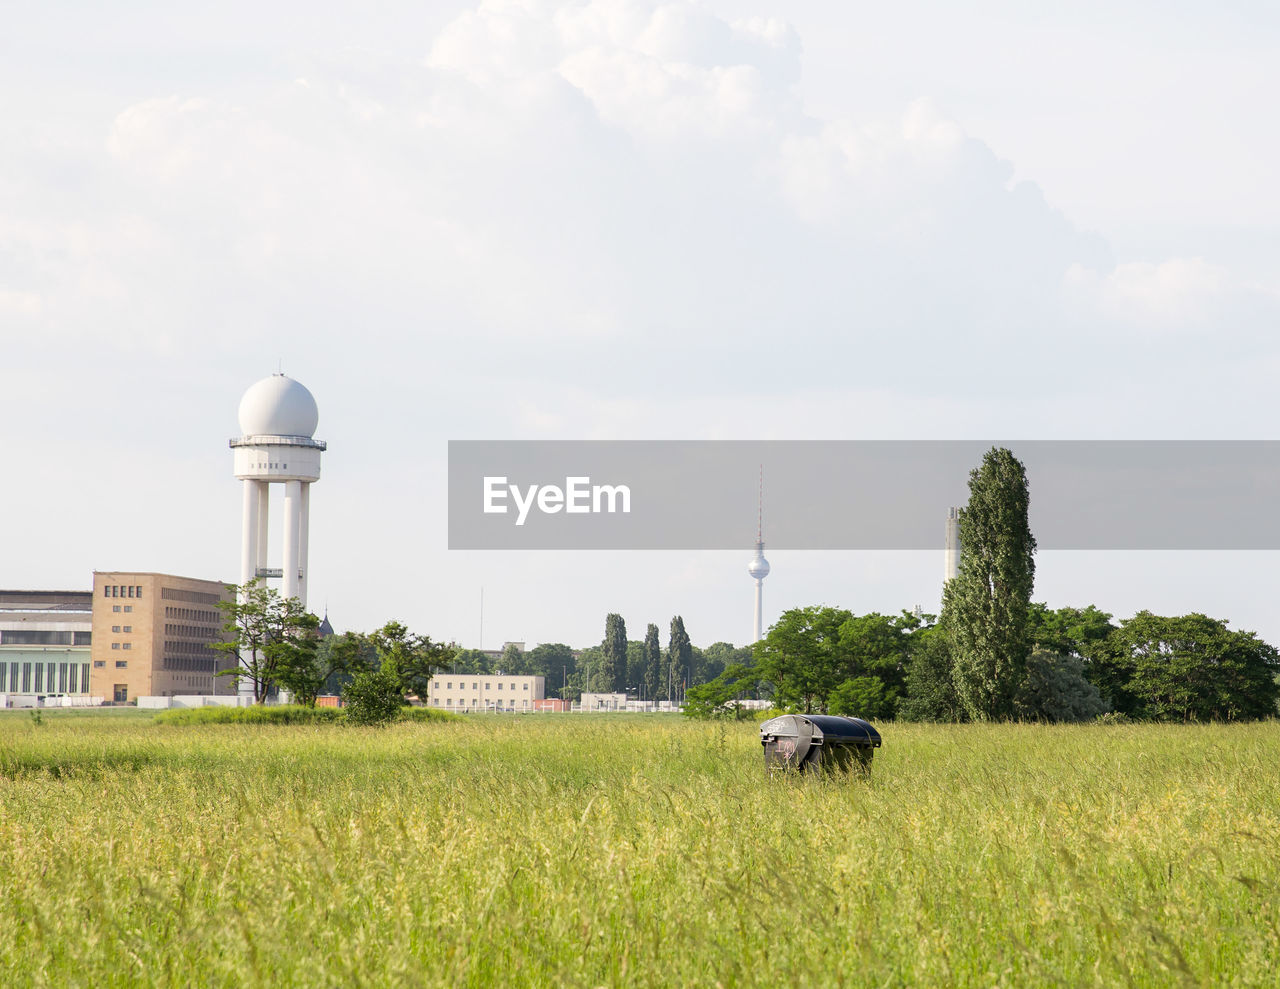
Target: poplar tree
x=652, y=662
x=613, y=663
x=985, y=607
x=679, y=656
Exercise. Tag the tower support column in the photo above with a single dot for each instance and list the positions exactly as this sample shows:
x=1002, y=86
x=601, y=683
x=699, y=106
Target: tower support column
x=249, y=534
x=304, y=525
x=292, y=518
x=264, y=515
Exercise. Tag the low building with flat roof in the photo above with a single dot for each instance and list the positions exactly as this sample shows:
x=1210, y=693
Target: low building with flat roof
x=484, y=692
x=45, y=642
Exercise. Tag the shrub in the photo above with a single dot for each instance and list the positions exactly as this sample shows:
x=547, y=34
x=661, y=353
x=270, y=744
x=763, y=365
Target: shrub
x=1055, y=689
x=373, y=697
x=286, y=714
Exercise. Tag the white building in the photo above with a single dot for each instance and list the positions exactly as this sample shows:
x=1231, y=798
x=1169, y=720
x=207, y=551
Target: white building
x=602, y=702
x=484, y=692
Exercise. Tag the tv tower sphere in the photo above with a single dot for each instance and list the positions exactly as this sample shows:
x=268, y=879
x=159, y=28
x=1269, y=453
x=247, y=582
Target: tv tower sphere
x=759, y=566
x=278, y=418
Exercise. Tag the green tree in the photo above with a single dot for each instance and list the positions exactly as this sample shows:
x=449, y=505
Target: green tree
x=590, y=661
x=718, y=657
x=269, y=637
x=652, y=662
x=1055, y=689
x=553, y=660
x=513, y=662
x=679, y=657
x=802, y=657
x=875, y=649
x=718, y=697
x=1194, y=668
x=472, y=661
x=414, y=659
x=374, y=697
x=930, y=687
x=613, y=653
x=986, y=606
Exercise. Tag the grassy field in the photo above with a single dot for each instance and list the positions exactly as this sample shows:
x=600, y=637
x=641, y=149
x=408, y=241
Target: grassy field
x=632, y=850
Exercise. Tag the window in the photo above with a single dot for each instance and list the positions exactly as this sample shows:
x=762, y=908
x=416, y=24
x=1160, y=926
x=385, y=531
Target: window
x=139, y=594
x=62, y=678
x=526, y=686
x=122, y=664
x=99, y=664
x=39, y=678
x=128, y=628
x=486, y=686
x=127, y=645
x=26, y=678
x=128, y=607
x=499, y=686
x=448, y=686
x=115, y=645
x=115, y=629
x=115, y=607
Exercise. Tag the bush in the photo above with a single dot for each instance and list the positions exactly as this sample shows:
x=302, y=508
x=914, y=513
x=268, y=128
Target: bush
x=1055, y=689
x=425, y=714
x=287, y=714
x=373, y=697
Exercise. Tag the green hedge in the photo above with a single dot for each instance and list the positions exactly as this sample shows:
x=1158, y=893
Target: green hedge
x=290, y=714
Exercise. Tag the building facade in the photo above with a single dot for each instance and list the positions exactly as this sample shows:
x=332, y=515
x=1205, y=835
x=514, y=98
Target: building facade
x=45, y=641
x=152, y=635
x=484, y=692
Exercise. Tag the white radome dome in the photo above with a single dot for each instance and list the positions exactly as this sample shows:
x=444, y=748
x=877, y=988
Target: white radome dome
x=278, y=406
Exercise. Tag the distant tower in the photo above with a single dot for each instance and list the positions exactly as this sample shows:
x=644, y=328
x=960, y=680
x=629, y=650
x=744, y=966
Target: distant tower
x=277, y=419
x=951, y=556
x=759, y=566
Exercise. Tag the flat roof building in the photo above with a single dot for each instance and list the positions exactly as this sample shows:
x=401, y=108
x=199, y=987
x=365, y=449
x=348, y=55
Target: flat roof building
x=45, y=643
x=484, y=692
x=152, y=634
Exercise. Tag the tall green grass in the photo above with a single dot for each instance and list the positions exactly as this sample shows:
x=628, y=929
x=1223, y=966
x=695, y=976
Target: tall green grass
x=632, y=850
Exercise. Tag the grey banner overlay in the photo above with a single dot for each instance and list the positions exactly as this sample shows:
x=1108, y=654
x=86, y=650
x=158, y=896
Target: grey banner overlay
x=867, y=494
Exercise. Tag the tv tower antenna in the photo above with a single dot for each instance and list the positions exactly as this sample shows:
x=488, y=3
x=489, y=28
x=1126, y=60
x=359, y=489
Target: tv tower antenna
x=758, y=568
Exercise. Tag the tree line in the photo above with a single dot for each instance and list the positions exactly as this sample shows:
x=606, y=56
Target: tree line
x=993, y=654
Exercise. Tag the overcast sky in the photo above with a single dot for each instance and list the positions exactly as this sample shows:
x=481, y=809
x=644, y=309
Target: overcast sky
x=638, y=220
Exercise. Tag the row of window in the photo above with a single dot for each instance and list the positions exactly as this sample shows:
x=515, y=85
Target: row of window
x=178, y=647
x=44, y=678
x=192, y=597
x=127, y=607
x=121, y=591
x=476, y=685
x=38, y=637
x=462, y=702
x=122, y=645
x=193, y=615
x=191, y=631
x=187, y=663
x=117, y=628
x=101, y=664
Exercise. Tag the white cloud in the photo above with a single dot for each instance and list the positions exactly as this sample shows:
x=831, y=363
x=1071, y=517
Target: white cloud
x=1180, y=293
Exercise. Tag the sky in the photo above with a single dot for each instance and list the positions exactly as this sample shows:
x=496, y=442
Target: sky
x=619, y=219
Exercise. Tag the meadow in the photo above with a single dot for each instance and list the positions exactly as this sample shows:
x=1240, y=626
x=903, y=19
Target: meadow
x=631, y=850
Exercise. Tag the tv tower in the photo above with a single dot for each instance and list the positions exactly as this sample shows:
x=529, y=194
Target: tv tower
x=759, y=566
